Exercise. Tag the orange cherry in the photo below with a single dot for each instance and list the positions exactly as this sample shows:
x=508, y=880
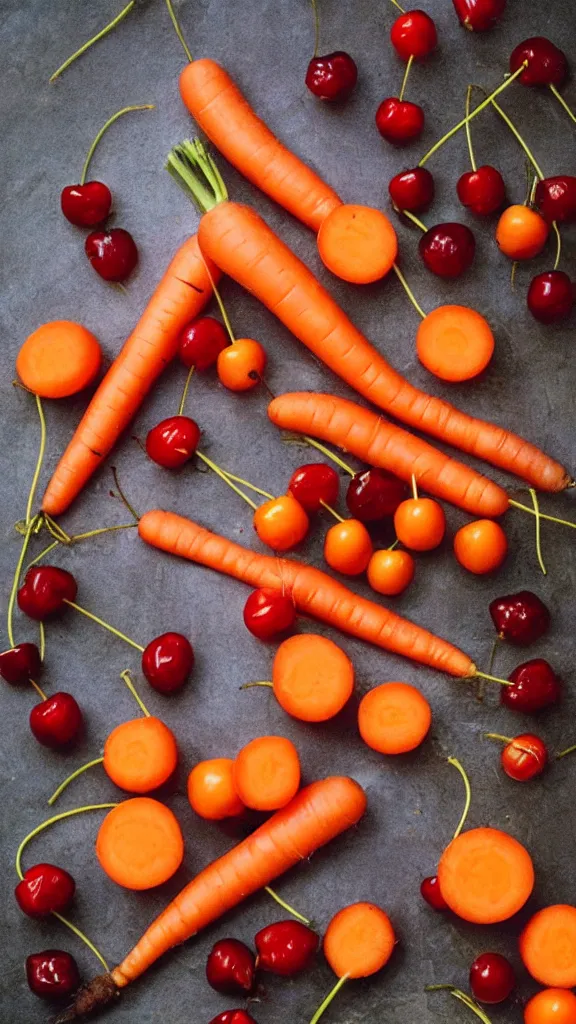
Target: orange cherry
x=420, y=523
x=241, y=364
x=521, y=233
x=390, y=572
x=551, y=1006
x=211, y=789
x=281, y=523
x=481, y=546
x=348, y=547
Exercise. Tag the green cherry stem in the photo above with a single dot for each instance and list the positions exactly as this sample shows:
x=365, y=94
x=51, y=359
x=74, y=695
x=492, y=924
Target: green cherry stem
x=396, y=4
x=414, y=486
x=542, y=515
x=77, y=537
x=286, y=906
x=127, y=678
x=223, y=476
x=74, y=775
x=562, y=101
x=261, y=682
x=330, y=455
x=491, y=679
x=16, y=579
x=415, y=220
x=408, y=289
x=105, y=625
x=534, y=497
x=405, y=79
x=100, y=35
x=331, y=995
x=185, y=391
x=123, y=497
x=39, y=460
x=246, y=483
x=316, y=14
x=516, y=135
x=460, y=995
x=468, y=791
x=556, y=231
x=332, y=511
x=564, y=753
x=178, y=30
x=104, y=129
x=40, y=692
x=498, y=737
x=221, y=305
x=468, y=132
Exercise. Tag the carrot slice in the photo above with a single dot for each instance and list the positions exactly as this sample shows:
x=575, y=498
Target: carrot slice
x=312, y=677
x=455, y=343
x=548, y=946
x=485, y=876
x=551, y=1006
x=394, y=718
x=267, y=773
x=140, y=844
x=359, y=941
x=357, y=243
x=211, y=790
x=140, y=755
x=59, y=359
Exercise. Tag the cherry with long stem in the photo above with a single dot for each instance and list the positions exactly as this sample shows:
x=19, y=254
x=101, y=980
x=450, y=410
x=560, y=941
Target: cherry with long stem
x=100, y=35
x=104, y=129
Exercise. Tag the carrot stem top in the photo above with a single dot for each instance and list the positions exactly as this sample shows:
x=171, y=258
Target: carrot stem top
x=192, y=166
x=178, y=30
x=468, y=791
x=104, y=129
x=100, y=35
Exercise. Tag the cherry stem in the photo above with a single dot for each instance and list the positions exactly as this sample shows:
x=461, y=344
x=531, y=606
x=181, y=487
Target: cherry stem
x=324, y=1006
x=42, y=632
x=498, y=737
x=396, y=4
x=84, y=938
x=185, y=391
x=534, y=497
x=123, y=497
x=556, y=231
x=542, y=515
x=332, y=511
x=246, y=483
x=515, y=133
x=39, y=460
x=178, y=30
x=415, y=220
x=477, y=110
x=105, y=625
x=286, y=906
x=56, y=530
x=126, y=677
x=407, y=287
x=79, y=536
x=305, y=439
x=16, y=580
x=221, y=305
x=562, y=101
x=100, y=35
x=40, y=692
x=104, y=129
x=414, y=487
x=454, y=761
x=468, y=132
x=220, y=472
x=459, y=994
x=491, y=679
x=495, y=646
x=248, y=686
x=79, y=771
x=394, y=545
x=564, y=753
x=405, y=79
x=316, y=14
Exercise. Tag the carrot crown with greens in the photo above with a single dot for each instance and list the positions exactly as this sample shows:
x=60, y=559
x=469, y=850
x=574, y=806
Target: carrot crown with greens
x=191, y=165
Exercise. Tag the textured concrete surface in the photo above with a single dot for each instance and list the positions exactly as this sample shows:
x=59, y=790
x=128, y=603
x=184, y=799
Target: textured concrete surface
x=414, y=802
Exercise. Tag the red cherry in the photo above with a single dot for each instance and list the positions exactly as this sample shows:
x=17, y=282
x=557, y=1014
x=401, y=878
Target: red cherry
x=233, y=1017
x=201, y=342
x=286, y=947
x=448, y=249
x=536, y=686
x=524, y=758
x=547, y=65
x=483, y=191
x=45, y=889
x=374, y=494
x=113, y=253
x=56, y=721
x=231, y=967
x=520, y=618
x=412, y=190
x=52, y=974
x=86, y=205
x=430, y=890
x=413, y=34
x=20, y=664
x=556, y=198
x=44, y=591
x=479, y=15
x=173, y=441
x=399, y=121
x=168, y=661
x=550, y=297
x=491, y=978
x=313, y=484
x=332, y=77
x=268, y=613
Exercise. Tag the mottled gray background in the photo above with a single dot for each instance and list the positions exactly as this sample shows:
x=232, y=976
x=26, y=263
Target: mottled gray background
x=414, y=802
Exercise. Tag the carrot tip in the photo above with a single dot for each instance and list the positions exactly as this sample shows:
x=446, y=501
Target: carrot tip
x=90, y=999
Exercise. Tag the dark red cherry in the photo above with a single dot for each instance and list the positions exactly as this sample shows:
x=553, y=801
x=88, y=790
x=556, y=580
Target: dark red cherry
x=332, y=77
x=550, y=296
x=483, y=191
x=413, y=34
x=268, y=613
x=168, y=661
x=399, y=121
x=374, y=494
x=52, y=974
x=491, y=978
x=56, y=721
x=556, y=198
x=536, y=686
x=45, y=889
x=523, y=759
x=286, y=947
x=86, y=205
x=231, y=967
x=113, y=253
x=547, y=65
x=448, y=249
x=520, y=618
x=430, y=891
x=412, y=190
x=233, y=1017
x=479, y=15
x=173, y=441
x=313, y=484
x=20, y=664
x=44, y=591
x=201, y=342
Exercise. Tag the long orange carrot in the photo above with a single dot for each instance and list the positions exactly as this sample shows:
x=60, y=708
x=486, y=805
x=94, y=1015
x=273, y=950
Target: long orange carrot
x=380, y=443
x=314, y=592
x=181, y=295
x=316, y=815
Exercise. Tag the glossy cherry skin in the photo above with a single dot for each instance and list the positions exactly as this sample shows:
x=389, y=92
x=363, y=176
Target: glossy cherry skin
x=556, y=198
x=374, y=494
x=430, y=891
x=45, y=889
x=547, y=65
x=491, y=978
x=233, y=1017
x=268, y=613
x=412, y=190
x=520, y=618
x=332, y=77
x=167, y=662
x=413, y=34
x=286, y=947
x=550, y=297
x=52, y=974
x=536, y=686
x=231, y=967
x=20, y=664
x=201, y=342
x=399, y=121
x=479, y=15
x=448, y=249
x=44, y=591
x=56, y=721
x=524, y=758
x=173, y=441
x=86, y=205
x=113, y=253
x=483, y=191
x=313, y=484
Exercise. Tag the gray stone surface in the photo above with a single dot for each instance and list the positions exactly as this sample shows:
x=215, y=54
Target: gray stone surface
x=414, y=802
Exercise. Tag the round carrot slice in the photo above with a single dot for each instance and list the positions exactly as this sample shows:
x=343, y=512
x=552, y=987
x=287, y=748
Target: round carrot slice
x=59, y=359
x=485, y=876
x=312, y=677
x=267, y=773
x=455, y=343
x=394, y=718
x=548, y=946
x=211, y=790
x=140, y=844
x=140, y=755
x=551, y=1006
x=357, y=243
x=359, y=941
